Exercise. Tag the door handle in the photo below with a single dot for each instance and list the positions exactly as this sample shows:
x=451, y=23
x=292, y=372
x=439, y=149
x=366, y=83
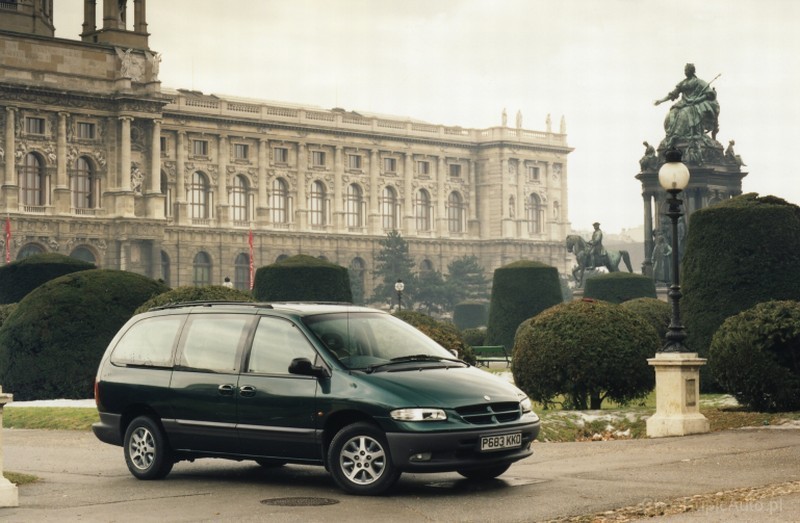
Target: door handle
x=226, y=389
x=248, y=391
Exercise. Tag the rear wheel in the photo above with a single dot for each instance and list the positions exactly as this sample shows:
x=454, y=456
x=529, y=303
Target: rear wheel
x=359, y=460
x=147, y=452
x=485, y=472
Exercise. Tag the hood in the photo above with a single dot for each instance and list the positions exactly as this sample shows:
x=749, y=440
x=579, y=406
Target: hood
x=446, y=388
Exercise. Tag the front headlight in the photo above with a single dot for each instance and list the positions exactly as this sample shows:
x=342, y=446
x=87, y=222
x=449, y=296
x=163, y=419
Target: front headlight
x=525, y=405
x=418, y=414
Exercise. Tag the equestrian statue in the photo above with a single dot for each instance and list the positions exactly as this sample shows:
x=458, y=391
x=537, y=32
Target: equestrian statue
x=591, y=255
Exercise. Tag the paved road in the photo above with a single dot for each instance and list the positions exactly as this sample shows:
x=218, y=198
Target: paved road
x=85, y=480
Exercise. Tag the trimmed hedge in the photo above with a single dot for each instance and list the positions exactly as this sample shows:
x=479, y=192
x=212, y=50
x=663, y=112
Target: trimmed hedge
x=755, y=356
x=20, y=277
x=445, y=334
x=520, y=290
x=585, y=350
x=656, y=312
x=5, y=312
x=192, y=293
x=52, y=343
x=302, y=278
x=470, y=314
x=739, y=253
x=474, y=337
x=617, y=287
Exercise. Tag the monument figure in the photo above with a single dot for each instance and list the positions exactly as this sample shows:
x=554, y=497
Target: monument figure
x=731, y=155
x=649, y=161
x=696, y=113
x=597, y=254
x=587, y=257
x=660, y=259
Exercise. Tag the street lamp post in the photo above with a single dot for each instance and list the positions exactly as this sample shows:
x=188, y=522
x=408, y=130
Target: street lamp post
x=674, y=177
x=399, y=286
x=677, y=370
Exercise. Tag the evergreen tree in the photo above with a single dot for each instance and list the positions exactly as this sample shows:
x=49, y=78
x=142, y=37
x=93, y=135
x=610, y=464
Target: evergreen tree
x=432, y=293
x=467, y=280
x=393, y=263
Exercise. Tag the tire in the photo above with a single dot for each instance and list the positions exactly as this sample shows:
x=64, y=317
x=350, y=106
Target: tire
x=485, y=473
x=359, y=460
x=147, y=452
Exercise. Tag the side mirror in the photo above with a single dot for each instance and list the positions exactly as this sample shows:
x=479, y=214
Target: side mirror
x=303, y=367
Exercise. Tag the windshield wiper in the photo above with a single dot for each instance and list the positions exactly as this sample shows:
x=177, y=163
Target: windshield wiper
x=409, y=359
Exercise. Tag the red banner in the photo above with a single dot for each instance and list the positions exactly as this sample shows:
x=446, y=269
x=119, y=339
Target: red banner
x=252, y=265
x=8, y=240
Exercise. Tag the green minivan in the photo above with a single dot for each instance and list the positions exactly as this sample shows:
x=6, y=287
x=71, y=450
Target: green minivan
x=351, y=388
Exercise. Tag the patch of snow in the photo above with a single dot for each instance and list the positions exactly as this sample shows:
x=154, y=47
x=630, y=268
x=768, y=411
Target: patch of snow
x=53, y=403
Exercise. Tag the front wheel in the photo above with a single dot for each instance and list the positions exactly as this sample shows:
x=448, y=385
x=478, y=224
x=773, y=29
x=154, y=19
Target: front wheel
x=484, y=473
x=147, y=452
x=359, y=460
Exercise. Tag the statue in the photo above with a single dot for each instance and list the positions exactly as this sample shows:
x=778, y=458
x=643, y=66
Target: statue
x=137, y=178
x=597, y=254
x=695, y=113
x=649, y=161
x=549, y=123
x=154, y=59
x=581, y=249
x=731, y=156
x=660, y=259
x=130, y=67
x=505, y=117
x=519, y=119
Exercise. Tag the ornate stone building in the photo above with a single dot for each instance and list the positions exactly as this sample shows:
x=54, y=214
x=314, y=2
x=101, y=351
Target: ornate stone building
x=99, y=162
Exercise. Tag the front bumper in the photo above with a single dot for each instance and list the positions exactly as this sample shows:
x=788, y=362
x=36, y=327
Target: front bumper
x=457, y=450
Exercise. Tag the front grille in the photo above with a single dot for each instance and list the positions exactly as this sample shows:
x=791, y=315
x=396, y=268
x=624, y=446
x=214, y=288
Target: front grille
x=490, y=413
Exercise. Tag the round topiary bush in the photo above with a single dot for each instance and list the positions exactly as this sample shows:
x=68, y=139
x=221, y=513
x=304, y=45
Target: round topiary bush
x=445, y=334
x=191, y=293
x=302, y=278
x=617, y=287
x=656, y=312
x=739, y=253
x=5, y=312
x=755, y=356
x=470, y=314
x=586, y=351
x=20, y=277
x=520, y=290
x=51, y=344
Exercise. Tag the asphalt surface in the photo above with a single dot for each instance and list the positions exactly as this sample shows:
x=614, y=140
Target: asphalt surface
x=83, y=479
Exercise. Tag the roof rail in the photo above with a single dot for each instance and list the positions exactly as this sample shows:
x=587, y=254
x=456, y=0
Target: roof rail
x=209, y=303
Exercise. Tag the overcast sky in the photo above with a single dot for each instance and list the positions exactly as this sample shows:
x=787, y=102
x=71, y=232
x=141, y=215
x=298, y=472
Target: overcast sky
x=599, y=63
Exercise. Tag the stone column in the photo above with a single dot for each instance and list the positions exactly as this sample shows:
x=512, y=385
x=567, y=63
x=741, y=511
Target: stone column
x=408, y=223
x=89, y=16
x=123, y=181
x=338, y=173
x=647, y=265
x=139, y=17
x=180, y=178
x=262, y=210
x=521, y=217
x=441, y=201
x=9, y=496
x=152, y=191
x=223, y=204
x=61, y=192
x=10, y=145
x=301, y=208
x=374, y=211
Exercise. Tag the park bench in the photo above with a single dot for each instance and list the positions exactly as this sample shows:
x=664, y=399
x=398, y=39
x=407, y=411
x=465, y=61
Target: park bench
x=486, y=354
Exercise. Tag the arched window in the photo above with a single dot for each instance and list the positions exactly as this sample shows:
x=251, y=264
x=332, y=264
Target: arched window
x=84, y=185
x=199, y=197
x=422, y=210
x=389, y=208
x=455, y=212
x=279, y=201
x=426, y=266
x=354, y=206
x=533, y=213
x=201, y=269
x=241, y=272
x=31, y=181
x=84, y=254
x=318, y=204
x=29, y=250
x=165, y=268
x=239, y=203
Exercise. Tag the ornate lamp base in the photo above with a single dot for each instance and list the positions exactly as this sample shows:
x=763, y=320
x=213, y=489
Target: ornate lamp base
x=677, y=395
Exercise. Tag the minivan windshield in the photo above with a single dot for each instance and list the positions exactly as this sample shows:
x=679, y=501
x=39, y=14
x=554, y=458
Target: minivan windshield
x=371, y=341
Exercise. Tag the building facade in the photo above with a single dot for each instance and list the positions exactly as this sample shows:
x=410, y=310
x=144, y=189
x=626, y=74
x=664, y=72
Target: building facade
x=99, y=162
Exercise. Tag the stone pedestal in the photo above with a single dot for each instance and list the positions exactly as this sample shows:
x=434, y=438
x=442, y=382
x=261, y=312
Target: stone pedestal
x=9, y=496
x=677, y=395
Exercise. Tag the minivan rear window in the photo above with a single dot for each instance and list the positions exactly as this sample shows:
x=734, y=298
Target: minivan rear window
x=149, y=342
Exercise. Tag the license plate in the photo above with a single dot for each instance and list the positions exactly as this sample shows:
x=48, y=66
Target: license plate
x=504, y=441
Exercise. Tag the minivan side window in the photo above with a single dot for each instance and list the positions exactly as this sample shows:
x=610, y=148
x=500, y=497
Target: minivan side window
x=276, y=343
x=212, y=341
x=149, y=342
